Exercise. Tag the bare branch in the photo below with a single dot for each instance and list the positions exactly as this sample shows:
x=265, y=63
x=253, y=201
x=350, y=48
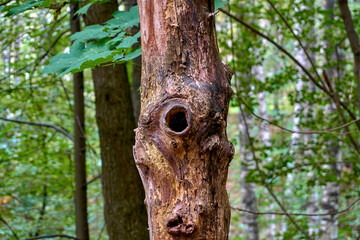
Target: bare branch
x=9, y=227
x=39, y=59
x=331, y=130
x=67, y=134
x=93, y=180
x=337, y=104
x=307, y=73
x=299, y=214
x=4, y=3
x=52, y=236
x=299, y=41
x=263, y=180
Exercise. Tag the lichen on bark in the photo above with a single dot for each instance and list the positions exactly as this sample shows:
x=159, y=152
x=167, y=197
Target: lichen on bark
x=182, y=151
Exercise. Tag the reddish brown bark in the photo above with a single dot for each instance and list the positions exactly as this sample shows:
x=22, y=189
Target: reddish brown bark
x=182, y=151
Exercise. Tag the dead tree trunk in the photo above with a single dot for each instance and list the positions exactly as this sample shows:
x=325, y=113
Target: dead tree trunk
x=82, y=228
x=182, y=151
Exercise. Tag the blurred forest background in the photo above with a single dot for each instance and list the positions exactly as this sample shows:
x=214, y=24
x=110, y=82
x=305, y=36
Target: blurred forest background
x=294, y=116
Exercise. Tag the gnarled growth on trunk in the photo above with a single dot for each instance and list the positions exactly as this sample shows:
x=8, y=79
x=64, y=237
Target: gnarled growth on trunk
x=182, y=151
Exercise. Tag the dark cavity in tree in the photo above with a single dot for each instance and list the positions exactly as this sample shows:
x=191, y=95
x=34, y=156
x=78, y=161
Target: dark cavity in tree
x=176, y=120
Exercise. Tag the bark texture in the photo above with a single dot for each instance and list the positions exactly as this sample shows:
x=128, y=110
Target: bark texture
x=182, y=151
x=124, y=209
x=82, y=228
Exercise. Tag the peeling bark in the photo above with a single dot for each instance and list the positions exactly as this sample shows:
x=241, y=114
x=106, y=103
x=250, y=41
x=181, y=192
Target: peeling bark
x=182, y=151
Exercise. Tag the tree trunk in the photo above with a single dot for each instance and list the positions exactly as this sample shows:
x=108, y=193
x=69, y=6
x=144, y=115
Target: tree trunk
x=136, y=70
x=124, y=209
x=182, y=151
x=331, y=191
x=82, y=228
x=354, y=42
x=247, y=189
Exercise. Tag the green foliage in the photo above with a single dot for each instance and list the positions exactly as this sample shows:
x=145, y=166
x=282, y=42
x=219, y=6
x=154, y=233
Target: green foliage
x=220, y=3
x=84, y=9
x=99, y=44
x=17, y=8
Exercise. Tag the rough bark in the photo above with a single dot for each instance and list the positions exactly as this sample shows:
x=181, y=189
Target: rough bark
x=82, y=228
x=135, y=93
x=124, y=209
x=182, y=151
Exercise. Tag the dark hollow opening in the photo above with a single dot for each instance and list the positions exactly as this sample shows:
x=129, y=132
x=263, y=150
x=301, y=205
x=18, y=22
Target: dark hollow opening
x=177, y=121
x=174, y=222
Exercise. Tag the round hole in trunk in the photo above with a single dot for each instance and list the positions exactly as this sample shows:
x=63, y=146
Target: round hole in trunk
x=176, y=119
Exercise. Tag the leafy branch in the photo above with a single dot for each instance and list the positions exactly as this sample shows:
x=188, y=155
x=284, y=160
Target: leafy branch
x=99, y=44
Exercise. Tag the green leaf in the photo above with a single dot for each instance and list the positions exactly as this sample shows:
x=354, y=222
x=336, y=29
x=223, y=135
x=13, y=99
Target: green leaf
x=128, y=41
x=98, y=44
x=90, y=33
x=220, y=4
x=132, y=55
x=123, y=19
x=19, y=8
x=84, y=9
x=117, y=39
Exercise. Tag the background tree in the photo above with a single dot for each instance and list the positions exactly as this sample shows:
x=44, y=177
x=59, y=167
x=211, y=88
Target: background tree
x=124, y=209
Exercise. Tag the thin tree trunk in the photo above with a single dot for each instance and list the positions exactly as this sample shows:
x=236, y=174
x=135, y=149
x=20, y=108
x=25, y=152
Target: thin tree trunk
x=82, y=228
x=264, y=130
x=247, y=190
x=124, y=209
x=331, y=191
x=354, y=41
x=182, y=151
x=136, y=70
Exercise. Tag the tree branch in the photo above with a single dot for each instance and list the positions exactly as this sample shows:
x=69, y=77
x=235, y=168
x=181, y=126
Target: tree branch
x=299, y=214
x=298, y=40
x=39, y=59
x=9, y=227
x=331, y=130
x=93, y=180
x=263, y=180
x=52, y=236
x=67, y=134
x=4, y=3
x=307, y=73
